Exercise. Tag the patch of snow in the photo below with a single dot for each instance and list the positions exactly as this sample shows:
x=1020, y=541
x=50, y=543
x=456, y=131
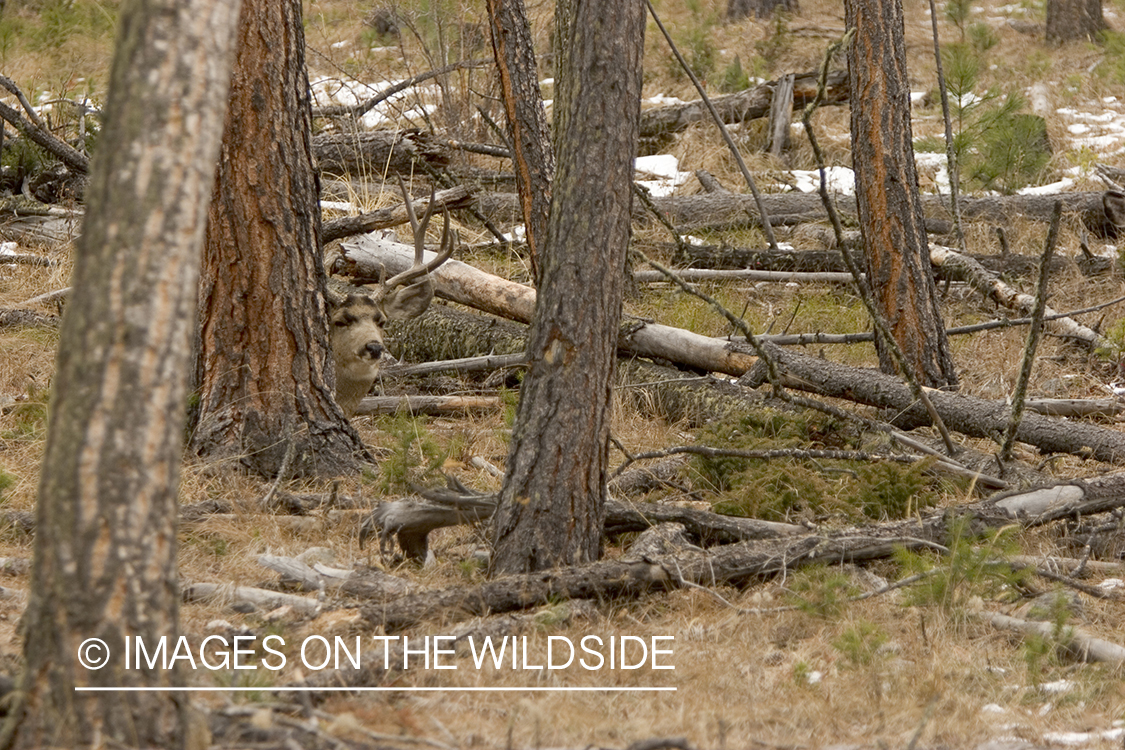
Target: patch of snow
x=1054, y=187
x=917, y=96
x=340, y=206
x=665, y=169
x=341, y=45
x=839, y=179
x=1056, y=687
x=518, y=233
x=1068, y=738
x=693, y=240
x=1108, y=584
x=547, y=82
x=993, y=708
x=661, y=99
x=8, y=248
x=935, y=165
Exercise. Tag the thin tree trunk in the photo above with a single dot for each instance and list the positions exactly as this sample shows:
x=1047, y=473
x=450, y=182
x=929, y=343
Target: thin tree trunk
x=105, y=546
x=532, y=158
x=890, y=213
x=266, y=370
x=551, y=503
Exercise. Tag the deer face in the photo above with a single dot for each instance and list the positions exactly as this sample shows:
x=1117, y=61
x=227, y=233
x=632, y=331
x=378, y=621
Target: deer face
x=356, y=321
x=357, y=346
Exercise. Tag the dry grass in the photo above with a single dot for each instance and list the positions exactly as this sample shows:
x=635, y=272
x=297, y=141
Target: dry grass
x=779, y=677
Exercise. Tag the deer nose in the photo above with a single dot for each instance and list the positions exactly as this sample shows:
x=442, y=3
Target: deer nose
x=373, y=350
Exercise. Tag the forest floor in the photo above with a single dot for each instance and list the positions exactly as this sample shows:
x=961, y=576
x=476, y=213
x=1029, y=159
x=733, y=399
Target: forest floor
x=791, y=662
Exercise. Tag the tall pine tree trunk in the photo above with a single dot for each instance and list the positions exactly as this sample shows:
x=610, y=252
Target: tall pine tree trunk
x=532, y=157
x=1074, y=20
x=551, y=503
x=105, y=544
x=890, y=212
x=265, y=363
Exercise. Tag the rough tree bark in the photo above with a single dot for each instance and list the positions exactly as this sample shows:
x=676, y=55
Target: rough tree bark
x=890, y=213
x=1074, y=20
x=105, y=546
x=532, y=158
x=266, y=376
x=551, y=503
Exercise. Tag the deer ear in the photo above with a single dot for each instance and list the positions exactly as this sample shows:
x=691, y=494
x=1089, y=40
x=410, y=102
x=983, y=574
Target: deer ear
x=409, y=301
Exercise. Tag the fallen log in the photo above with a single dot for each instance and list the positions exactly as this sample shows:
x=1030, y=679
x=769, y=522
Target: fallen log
x=724, y=258
x=258, y=598
x=749, y=104
x=409, y=522
x=365, y=258
x=970, y=416
x=749, y=560
x=1079, y=643
x=27, y=319
x=378, y=152
x=736, y=209
x=374, y=405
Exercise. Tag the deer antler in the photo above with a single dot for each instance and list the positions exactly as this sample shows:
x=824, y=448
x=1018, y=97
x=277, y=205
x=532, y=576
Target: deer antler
x=419, y=268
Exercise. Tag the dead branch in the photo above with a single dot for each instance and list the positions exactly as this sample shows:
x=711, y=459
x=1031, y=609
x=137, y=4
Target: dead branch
x=38, y=134
x=1079, y=643
x=259, y=598
x=43, y=299
x=990, y=285
x=392, y=216
x=700, y=274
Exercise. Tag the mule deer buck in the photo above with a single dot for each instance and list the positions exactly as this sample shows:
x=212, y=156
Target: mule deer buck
x=356, y=320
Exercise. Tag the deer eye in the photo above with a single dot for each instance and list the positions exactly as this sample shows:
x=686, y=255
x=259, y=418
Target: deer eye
x=340, y=323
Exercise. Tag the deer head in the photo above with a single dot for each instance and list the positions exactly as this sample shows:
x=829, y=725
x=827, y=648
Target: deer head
x=357, y=320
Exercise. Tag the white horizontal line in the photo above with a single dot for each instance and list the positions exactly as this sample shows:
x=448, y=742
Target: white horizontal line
x=373, y=689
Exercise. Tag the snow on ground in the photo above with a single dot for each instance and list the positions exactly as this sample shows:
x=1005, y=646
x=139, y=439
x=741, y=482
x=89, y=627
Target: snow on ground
x=839, y=179
x=660, y=174
x=338, y=90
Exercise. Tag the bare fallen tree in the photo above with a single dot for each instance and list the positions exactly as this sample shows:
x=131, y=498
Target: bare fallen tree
x=367, y=257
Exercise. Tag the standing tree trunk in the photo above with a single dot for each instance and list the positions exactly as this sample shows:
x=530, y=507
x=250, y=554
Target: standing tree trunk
x=105, y=544
x=1074, y=20
x=265, y=368
x=532, y=158
x=890, y=212
x=551, y=504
